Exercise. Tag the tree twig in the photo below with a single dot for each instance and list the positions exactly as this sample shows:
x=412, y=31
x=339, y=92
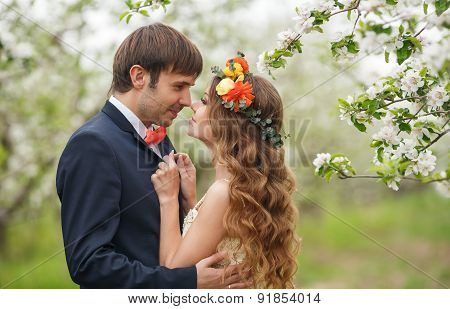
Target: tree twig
x=415, y=116
x=436, y=139
x=355, y=7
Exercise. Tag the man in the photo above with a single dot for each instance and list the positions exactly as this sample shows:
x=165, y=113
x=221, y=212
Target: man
x=109, y=209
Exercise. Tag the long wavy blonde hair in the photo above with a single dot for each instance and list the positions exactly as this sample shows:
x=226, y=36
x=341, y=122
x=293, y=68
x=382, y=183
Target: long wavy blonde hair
x=261, y=215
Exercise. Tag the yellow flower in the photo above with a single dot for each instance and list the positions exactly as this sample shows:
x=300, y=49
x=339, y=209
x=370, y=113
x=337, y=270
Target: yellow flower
x=225, y=86
x=237, y=71
x=240, y=78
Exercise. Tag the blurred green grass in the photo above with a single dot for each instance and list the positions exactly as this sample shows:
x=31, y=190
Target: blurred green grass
x=414, y=225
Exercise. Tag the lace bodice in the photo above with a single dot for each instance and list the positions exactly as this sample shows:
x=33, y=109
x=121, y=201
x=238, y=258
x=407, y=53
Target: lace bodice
x=230, y=245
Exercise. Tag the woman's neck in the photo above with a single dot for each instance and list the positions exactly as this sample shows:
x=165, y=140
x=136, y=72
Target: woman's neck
x=222, y=172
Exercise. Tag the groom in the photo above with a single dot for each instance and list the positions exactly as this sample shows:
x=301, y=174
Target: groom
x=109, y=209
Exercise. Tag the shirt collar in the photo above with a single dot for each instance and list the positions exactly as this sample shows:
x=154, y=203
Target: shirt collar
x=137, y=124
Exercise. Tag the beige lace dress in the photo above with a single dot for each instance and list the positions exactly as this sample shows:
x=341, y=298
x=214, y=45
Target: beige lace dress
x=230, y=245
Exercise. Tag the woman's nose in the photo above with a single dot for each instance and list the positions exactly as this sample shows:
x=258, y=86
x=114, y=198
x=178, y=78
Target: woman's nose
x=195, y=105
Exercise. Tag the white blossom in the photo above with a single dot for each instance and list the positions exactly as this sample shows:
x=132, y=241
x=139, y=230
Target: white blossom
x=418, y=132
x=285, y=38
x=388, y=120
x=305, y=27
x=406, y=148
x=344, y=113
x=321, y=159
x=347, y=3
x=344, y=54
x=262, y=65
x=393, y=183
x=438, y=121
x=411, y=82
x=437, y=97
x=388, y=134
x=393, y=45
x=423, y=164
x=327, y=6
x=370, y=5
x=375, y=89
x=303, y=14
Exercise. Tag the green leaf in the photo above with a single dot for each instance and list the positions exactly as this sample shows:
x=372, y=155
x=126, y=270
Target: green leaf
x=405, y=127
x=361, y=127
x=123, y=15
x=328, y=175
x=392, y=2
x=144, y=12
x=373, y=106
x=386, y=57
x=415, y=42
x=128, y=18
x=343, y=103
x=423, y=72
x=380, y=154
x=351, y=169
x=376, y=144
x=317, y=28
x=298, y=46
x=278, y=63
x=441, y=6
x=404, y=52
x=425, y=8
x=129, y=3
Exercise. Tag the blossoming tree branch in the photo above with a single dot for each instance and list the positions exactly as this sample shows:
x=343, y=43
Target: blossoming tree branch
x=412, y=104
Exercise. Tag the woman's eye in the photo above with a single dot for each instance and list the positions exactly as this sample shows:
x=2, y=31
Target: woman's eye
x=203, y=100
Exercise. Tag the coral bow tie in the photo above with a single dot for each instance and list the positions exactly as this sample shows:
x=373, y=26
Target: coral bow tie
x=155, y=136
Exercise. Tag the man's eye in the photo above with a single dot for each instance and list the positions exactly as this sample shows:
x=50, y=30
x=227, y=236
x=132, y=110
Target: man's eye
x=179, y=87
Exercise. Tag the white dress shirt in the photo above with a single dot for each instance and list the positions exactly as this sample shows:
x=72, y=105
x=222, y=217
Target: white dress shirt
x=137, y=124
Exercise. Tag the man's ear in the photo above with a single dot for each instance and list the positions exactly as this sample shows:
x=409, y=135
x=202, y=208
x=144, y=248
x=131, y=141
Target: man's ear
x=138, y=76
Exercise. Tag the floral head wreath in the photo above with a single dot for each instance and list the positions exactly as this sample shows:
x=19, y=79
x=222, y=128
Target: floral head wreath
x=237, y=95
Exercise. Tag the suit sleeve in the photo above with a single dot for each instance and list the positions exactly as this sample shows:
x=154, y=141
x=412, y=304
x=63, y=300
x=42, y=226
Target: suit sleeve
x=89, y=186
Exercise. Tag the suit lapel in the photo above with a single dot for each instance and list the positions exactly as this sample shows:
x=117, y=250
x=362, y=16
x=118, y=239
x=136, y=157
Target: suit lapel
x=122, y=122
x=165, y=147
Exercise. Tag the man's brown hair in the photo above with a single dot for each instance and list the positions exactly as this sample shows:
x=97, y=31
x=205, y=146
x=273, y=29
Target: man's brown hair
x=156, y=47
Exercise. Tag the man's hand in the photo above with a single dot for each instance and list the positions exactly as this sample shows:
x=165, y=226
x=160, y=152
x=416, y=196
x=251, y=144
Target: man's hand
x=211, y=278
x=188, y=180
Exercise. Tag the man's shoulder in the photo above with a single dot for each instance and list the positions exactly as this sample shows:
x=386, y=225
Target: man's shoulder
x=100, y=126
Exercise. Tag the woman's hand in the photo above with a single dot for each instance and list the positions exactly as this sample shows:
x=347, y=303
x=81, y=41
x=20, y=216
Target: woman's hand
x=166, y=180
x=188, y=180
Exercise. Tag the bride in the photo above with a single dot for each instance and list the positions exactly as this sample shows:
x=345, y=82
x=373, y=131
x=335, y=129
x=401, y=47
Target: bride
x=247, y=211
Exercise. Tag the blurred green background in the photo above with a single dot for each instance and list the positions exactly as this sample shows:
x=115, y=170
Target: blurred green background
x=355, y=233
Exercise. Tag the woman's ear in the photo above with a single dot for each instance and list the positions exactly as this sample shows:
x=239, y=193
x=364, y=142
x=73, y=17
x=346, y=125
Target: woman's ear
x=138, y=76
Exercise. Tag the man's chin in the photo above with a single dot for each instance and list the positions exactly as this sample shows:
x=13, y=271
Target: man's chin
x=166, y=122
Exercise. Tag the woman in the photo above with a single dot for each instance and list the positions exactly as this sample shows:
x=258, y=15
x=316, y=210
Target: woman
x=248, y=211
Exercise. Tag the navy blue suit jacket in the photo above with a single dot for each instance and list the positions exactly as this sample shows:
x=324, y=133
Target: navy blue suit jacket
x=110, y=212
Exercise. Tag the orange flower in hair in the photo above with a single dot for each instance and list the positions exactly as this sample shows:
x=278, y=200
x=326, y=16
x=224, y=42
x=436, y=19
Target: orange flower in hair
x=237, y=95
x=240, y=92
x=242, y=62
